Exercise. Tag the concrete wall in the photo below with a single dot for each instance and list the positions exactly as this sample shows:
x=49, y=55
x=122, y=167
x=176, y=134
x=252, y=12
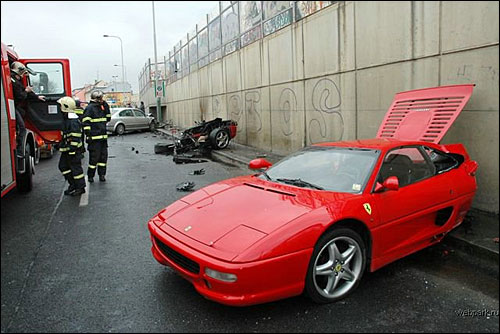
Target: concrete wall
x=332, y=76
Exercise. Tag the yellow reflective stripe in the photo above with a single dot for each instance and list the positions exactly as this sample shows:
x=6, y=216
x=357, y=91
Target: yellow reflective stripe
x=95, y=120
x=92, y=166
x=66, y=172
x=86, y=127
x=108, y=115
x=102, y=164
x=72, y=153
x=86, y=119
x=75, y=134
x=63, y=149
x=78, y=176
x=100, y=137
x=78, y=111
x=74, y=143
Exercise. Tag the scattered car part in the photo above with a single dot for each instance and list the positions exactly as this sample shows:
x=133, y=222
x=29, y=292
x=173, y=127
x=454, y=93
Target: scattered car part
x=198, y=172
x=185, y=186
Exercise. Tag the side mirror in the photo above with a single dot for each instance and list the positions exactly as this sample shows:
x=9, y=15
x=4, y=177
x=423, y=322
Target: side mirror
x=259, y=164
x=391, y=183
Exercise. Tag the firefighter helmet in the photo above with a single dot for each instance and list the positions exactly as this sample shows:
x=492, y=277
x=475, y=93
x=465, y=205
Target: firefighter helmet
x=20, y=69
x=96, y=95
x=67, y=104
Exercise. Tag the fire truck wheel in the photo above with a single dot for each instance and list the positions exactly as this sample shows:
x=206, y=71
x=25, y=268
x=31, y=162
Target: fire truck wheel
x=25, y=180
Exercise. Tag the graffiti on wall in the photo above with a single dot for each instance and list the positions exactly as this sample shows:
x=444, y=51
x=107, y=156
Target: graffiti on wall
x=288, y=110
x=216, y=107
x=305, y=8
x=253, y=116
x=234, y=107
x=326, y=100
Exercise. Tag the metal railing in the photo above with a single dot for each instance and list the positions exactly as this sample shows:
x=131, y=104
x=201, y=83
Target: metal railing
x=230, y=27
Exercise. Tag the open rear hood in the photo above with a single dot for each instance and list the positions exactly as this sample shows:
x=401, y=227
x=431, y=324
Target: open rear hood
x=424, y=114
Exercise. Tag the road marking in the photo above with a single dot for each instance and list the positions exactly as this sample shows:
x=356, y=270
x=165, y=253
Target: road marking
x=84, y=198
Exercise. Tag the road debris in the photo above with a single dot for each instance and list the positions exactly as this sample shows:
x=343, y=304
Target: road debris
x=185, y=186
x=198, y=172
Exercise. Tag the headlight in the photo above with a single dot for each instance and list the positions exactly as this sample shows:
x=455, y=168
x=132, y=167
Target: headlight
x=225, y=277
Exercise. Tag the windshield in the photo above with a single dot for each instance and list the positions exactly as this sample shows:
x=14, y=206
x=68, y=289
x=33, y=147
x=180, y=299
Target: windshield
x=325, y=168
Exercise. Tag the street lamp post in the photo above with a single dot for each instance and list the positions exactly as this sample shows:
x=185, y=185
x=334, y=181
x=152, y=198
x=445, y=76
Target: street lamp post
x=158, y=98
x=124, y=70
x=121, y=48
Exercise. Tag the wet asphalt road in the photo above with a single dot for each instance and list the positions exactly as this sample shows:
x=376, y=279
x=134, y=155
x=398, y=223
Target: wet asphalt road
x=72, y=268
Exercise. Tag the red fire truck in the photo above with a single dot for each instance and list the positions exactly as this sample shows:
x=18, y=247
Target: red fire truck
x=43, y=120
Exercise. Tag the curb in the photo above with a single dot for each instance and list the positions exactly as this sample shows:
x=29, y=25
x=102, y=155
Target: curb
x=230, y=158
x=471, y=248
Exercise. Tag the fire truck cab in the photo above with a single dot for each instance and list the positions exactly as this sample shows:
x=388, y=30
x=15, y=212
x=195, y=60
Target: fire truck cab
x=43, y=119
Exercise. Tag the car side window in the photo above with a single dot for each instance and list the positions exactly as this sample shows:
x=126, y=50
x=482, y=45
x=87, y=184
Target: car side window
x=139, y=113
x=126, y=113
x=441, y=161
x=407, y=164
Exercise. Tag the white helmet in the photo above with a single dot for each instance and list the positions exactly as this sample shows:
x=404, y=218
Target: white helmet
x=67, y=104
x=20, y=69
x=96, y=95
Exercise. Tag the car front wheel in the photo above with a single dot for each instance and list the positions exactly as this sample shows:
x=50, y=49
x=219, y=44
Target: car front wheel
x=120, y=129
x=336, y=266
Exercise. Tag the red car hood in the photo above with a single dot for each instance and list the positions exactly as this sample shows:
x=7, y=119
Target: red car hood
x=245, y=210
x=232, y=215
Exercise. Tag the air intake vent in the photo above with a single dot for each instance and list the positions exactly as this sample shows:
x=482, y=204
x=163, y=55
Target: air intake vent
x=424, y=114
x=178, y=258
x=280, y=192
x=253, y=186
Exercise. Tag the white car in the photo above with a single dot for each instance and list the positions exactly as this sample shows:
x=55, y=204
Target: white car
x=129, y=119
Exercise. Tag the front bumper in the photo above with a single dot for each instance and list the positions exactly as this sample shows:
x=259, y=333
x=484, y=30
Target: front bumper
x=257, y=282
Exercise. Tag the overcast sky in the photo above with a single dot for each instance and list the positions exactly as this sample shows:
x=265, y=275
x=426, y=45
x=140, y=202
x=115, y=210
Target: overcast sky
x=75, y=29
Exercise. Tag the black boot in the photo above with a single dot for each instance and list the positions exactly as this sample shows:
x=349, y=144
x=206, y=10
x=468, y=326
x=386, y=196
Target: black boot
x=78, y=192
x=91, y=179
x=102, y=178
x=70, y=189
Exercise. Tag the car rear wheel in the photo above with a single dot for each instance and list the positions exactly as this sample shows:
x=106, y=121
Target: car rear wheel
x=336, y=266
x=120, y=129
x=219, y=138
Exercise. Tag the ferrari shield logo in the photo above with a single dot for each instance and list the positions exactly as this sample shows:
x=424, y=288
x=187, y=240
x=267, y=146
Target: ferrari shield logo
x=368, y=208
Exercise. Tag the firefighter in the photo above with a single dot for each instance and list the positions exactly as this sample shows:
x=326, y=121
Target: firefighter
x=71, y=147
x=21, y=95
x=95, y=117
x=78, y=109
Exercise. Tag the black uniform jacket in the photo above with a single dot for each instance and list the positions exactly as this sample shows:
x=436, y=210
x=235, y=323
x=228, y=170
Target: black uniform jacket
x=94, y=120
x=72, y=136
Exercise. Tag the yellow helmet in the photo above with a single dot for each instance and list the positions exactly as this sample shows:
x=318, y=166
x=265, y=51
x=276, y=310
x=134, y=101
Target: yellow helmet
x=67, y=104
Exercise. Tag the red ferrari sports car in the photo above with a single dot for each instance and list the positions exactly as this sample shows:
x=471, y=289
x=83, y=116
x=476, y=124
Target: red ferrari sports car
x=315, y=221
